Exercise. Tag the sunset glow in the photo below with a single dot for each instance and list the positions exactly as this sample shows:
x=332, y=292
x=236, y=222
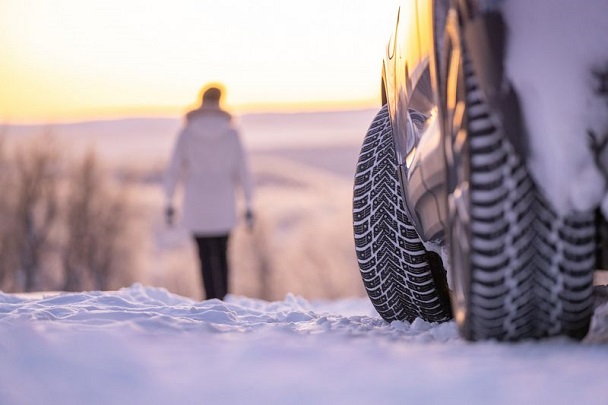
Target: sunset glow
x=71, y=59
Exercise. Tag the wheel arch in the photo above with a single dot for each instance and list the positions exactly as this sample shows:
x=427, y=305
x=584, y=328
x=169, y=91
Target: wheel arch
x=383, y=96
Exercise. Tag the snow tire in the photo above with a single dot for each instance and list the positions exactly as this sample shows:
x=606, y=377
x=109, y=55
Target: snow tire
x=499, y=280
x=530, y=271
x=403, y=280
x=566, y=253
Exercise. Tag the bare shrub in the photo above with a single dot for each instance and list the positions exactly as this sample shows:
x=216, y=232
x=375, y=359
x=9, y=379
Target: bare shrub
x=262, y=246
x=60, y=228
x=97, y=221
x=36, y=177
x=8, y=248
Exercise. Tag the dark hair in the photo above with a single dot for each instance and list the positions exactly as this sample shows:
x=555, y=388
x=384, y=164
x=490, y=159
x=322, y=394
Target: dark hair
x=212, y=94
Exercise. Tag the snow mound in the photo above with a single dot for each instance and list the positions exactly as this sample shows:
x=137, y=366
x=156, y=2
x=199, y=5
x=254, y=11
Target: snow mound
x=155, y=310
x=146, y=345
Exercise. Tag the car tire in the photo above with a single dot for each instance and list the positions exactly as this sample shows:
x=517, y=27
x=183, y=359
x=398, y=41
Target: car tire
x=519, y=270
x=403, y=280
x=566, y=253
x=491, y=216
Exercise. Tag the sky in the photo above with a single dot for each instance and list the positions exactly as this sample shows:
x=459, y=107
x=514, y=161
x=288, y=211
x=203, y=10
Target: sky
x=65, y=60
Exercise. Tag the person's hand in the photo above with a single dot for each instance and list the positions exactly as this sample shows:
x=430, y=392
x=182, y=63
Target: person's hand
x=169, y=215
x=249, y=219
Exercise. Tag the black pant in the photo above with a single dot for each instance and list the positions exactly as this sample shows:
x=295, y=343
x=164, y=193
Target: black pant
x=212, y=252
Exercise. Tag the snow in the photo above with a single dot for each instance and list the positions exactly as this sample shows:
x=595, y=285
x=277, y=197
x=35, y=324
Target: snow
x=145, y=345
x=553, y=47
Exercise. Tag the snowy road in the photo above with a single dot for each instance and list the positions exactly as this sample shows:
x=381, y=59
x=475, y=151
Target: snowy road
x=145, y=345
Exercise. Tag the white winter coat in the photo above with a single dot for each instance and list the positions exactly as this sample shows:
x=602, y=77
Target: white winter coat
x=209, y=158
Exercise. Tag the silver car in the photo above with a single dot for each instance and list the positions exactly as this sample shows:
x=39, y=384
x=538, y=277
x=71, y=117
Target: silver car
x=450, y=221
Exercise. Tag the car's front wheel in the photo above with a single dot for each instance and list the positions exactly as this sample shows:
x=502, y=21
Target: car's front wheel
x=403, y=280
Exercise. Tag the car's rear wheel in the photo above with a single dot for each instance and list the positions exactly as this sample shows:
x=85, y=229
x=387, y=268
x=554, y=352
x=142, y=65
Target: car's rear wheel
x=403, y=280
x=566, y=253
x=491, y=223
x=519, y=270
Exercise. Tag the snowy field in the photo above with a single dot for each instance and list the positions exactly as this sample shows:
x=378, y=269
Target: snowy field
x=315, y=340
x=303, y=166
x=143, y=345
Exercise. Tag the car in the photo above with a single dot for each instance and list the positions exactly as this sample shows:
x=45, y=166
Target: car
x=453, y=215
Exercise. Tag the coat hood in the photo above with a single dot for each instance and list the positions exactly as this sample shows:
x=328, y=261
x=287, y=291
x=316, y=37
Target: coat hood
x=207, y=111
x=208, y=122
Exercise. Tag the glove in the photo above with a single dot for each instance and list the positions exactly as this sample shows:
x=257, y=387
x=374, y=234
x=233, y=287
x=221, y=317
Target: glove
x=169, y=215
x=249, y=219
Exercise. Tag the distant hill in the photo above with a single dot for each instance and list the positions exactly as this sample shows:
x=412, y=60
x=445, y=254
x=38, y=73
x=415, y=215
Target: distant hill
x=153, y=137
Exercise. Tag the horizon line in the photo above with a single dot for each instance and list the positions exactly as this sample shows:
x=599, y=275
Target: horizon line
x=150, y=115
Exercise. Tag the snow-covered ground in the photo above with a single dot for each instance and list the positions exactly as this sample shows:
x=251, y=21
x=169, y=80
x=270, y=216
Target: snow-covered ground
x=303, y=166
x=146, y=345
x=143, y=345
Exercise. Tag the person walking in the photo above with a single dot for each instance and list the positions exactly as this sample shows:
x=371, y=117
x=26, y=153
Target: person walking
x=210, y=160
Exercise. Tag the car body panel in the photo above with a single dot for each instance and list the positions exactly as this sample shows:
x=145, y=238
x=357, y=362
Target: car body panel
x=410, y=76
